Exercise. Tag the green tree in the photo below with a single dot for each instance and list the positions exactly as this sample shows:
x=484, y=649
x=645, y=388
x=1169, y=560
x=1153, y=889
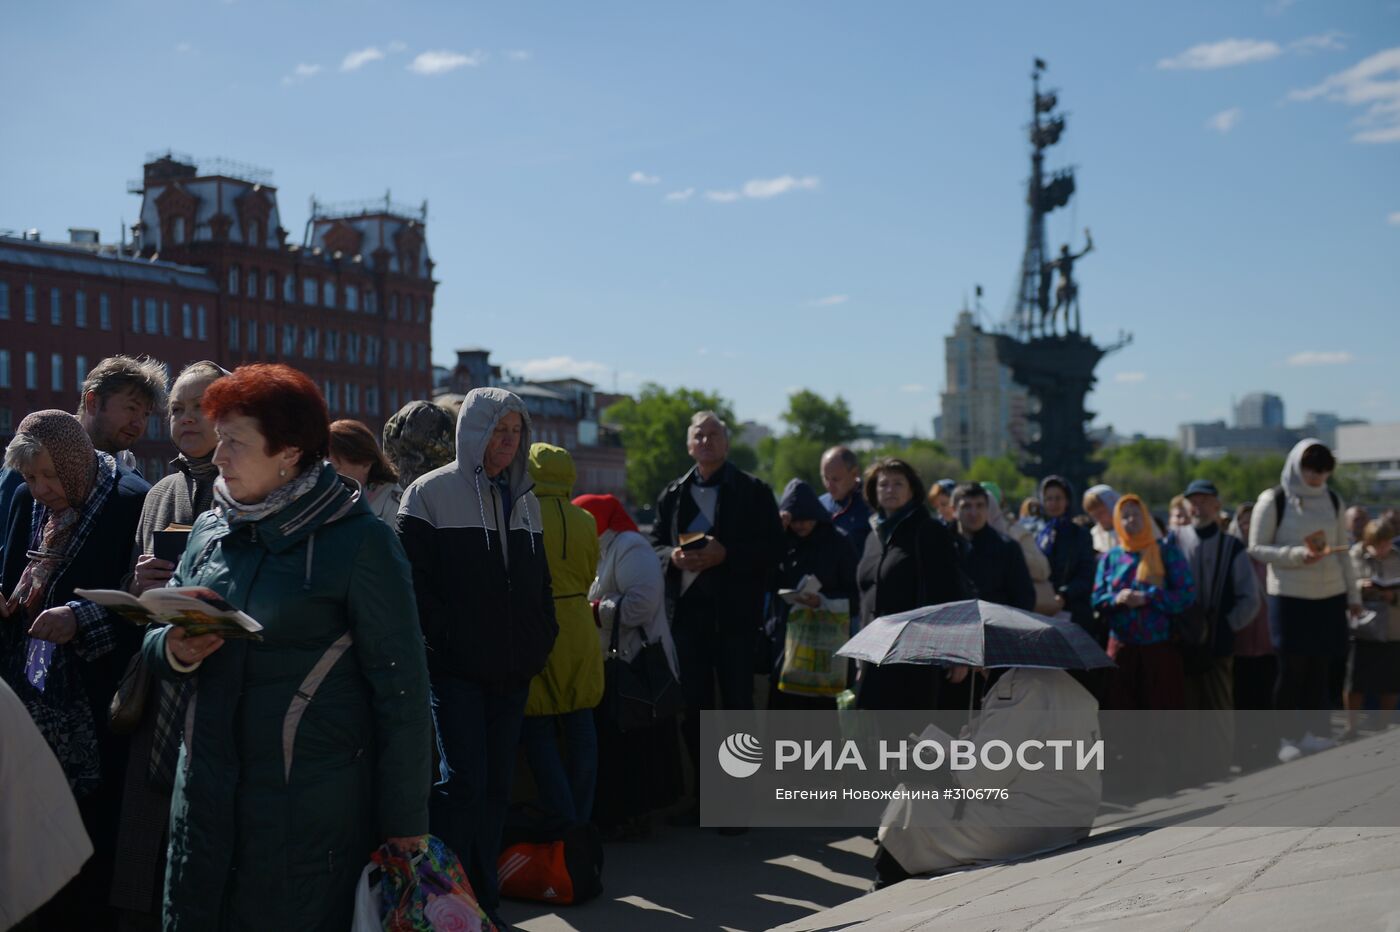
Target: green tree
x=653, y=428
x=813, y=424
x=812, y=417
x=929, y=458
x=1005, y=473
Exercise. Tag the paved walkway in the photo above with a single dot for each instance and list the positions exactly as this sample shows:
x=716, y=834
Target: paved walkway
x=1221, y=863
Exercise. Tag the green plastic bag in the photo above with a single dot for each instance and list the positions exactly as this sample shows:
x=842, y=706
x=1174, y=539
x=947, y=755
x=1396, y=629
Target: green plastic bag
x=814, y=635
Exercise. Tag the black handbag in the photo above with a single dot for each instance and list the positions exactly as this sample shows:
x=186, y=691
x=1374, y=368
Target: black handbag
x=640, y=692
x=128, y=705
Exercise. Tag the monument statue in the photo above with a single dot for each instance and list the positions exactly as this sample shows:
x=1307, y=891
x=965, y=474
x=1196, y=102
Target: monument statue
x=1067, y=294
x=1055, y=365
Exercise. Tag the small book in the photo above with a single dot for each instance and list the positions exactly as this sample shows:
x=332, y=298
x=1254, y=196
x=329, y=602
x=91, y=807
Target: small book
x=807, y=585
x=196, y=609
x=169, y=544
x=693, y=540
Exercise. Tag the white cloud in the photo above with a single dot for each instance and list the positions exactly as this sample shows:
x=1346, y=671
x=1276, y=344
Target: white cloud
x=301, y=72
x=1394, y=218
x=562, y=367
x=442, y=61
x=1372, y=83
x=913, y=388
x=1225, y=120
x=640, y=177
x=1321, y=358
x=763, y=188
x=831, y=300
x=1223, y=54
x=772, y=187
x=1126, y=378
x=518, y=55
x=1323, y=41
x=360, y=58
x=397, y=46
x=684, y=194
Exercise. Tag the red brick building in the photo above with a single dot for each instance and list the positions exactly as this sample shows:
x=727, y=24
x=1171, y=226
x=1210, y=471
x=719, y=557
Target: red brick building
x=210, y=275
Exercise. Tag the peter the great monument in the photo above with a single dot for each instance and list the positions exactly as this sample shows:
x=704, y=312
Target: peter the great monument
x=1041, y=341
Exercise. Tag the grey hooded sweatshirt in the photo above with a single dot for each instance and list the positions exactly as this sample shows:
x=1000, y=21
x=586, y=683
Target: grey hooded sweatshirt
x=484, y=596
x=1307, y=510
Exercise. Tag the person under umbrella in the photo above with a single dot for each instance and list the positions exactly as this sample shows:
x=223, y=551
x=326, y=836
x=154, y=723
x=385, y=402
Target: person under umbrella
x=1034, y=699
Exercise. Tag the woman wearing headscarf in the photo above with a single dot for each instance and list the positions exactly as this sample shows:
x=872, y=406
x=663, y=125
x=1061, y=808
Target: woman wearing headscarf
x=418, y=438
x=910, y=561
x=813, y=547
x=1070, y=551
x=1299, y=529
x=356, y=455
x=1141, y=584
x=307, y=749
x=638, y=772
x=564, y=693
x=71, y=527
x=178, y=499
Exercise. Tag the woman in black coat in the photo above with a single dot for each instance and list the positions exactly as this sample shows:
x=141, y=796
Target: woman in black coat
x=813, y=547
x=1070, y=550
x=910, y=560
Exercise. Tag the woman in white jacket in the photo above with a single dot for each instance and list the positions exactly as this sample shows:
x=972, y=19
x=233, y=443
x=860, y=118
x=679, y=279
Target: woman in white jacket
x=1299, y=530
x=638, y=772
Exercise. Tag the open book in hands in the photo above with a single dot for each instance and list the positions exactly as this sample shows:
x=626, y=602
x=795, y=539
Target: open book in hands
x=196, y=609
x=807, y=585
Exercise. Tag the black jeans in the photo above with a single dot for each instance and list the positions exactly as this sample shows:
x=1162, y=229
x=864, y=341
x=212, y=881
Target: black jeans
x=708, y=650
x=1312, y=638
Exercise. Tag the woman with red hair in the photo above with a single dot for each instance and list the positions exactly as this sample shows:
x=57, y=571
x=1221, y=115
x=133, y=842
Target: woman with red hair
x=305, y=749
x=639, y=772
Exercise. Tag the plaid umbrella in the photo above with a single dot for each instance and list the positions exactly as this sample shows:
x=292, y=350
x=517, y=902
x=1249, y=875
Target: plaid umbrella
x=976, y=634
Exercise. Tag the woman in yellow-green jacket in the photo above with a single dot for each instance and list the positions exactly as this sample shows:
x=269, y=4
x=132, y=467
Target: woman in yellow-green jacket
x=563, y=695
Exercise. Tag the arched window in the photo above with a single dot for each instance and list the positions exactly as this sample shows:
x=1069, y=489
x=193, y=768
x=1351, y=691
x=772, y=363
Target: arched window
x=177, y=230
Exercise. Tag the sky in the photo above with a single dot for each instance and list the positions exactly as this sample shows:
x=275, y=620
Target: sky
x=753, y=198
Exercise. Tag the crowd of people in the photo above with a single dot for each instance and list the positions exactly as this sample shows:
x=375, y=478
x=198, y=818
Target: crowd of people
x=439, y=601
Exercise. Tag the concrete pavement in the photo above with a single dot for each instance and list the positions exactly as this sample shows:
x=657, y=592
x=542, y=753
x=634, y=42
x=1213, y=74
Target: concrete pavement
x=1216, y=860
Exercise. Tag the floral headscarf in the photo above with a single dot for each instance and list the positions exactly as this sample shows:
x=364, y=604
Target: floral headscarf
x=418, y=438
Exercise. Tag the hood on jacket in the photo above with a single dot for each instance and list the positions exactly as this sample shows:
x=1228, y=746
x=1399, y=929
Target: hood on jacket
x=482, y=409
x=1292, y=476
x=553, y=470
x=802, y=503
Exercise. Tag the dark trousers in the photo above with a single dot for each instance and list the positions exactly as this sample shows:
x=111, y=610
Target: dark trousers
x=478, y=732
x=1256, y=741
x=1303, y=695
x=709, y=651
x=1149, y=676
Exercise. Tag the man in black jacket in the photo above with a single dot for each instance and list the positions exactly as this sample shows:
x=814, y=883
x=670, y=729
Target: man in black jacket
x=718, y=536
x=991, y=560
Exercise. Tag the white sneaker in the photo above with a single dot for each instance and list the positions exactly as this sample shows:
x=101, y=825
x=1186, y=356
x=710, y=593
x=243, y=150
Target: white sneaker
x=1288, y=751
x=1311, y=744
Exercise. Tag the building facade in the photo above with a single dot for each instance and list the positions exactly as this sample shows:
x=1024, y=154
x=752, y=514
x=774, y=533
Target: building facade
x=1259, y=411
x=1371, y=454
x=210, y=274
x=564, y=412
x=984, y=410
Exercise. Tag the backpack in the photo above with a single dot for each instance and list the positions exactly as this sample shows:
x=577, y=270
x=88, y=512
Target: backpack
x=1281, y=502
x=566, y=869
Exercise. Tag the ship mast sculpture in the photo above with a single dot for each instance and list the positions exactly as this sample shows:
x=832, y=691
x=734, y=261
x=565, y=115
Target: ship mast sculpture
x=1046, y=352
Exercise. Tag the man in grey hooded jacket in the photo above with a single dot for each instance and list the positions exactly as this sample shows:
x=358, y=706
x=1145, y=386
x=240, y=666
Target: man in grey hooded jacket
x=472, y=532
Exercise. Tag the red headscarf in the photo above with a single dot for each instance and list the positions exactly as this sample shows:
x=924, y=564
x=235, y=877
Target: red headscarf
x=608, y=512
